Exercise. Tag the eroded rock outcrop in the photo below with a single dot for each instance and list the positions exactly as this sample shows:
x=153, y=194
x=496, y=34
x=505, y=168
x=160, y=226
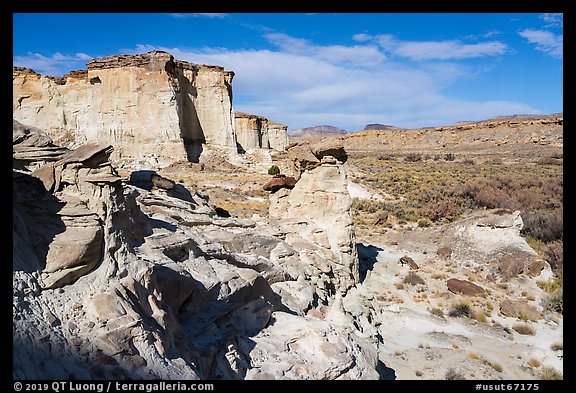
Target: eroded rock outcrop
x=318, y=210
x=146, y=106
x=278, y=182
x=255, y=132
x=31, y=147
x=145, y=280
x=306, y=155
x=150, y=107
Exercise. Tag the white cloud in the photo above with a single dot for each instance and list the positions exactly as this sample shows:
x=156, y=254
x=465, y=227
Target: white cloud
x=301, y=85
x=57, y=64
x=553, y=20
x=359, y=55
x=545, y=41
x=199, y=14
x=439, y=50
x=362, y=37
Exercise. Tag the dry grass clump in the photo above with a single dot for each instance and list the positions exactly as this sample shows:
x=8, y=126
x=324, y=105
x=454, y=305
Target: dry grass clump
x=555, y=300
x=480, y=316
x=496, y=366
x=473, y=356
x=551, y=285
x=489, y=306
x=524, y=328
x=557, y=346
x=534, y=363
x=550, y=373
x=424, y=223
x=438, y=312
x=413, y=279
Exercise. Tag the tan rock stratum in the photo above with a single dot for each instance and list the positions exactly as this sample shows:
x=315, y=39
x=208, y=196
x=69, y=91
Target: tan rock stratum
x=148, y=106
x=258, y=132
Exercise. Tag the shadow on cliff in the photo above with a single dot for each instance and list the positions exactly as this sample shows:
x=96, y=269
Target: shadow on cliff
x=191, y=130
x=36, y=222
x=367, y=257
x=193, y=151
x=386, y=373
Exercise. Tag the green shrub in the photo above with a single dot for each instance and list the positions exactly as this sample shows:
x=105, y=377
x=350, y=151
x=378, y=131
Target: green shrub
x=274, y=170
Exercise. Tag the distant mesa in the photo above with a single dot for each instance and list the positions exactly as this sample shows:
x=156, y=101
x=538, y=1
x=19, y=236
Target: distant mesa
x=510, y=117
x=379, y=127
x=317, y=132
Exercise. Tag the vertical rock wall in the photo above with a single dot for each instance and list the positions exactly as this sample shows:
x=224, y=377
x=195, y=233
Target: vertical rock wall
x=146, y=105
x=318, y=210
x=255, y=132
x=277, y=136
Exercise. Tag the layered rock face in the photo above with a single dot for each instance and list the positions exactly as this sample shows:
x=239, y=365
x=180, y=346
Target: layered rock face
x=145, y=105
x=255, y=132
x=318, y=210
x=144, y=280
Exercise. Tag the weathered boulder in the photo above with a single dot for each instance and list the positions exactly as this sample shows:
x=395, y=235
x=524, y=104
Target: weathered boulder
x=519, y=309
x=464, y=287
x=72, y=254
x=306, y=156
x=510, y=267
x=444, y=252
x=332, y=148
x=31, y=147
x=406, y=260
x=312, y=349
x=278, y=182
x=536, y=266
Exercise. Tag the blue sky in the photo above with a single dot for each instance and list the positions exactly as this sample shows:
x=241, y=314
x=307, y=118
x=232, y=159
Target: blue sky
x=346, y=70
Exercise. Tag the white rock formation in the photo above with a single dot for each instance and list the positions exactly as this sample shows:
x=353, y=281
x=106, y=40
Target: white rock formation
x=277, y=136
x=255, y=132
x=318, y=210
x=145, y=281
x=144, y=105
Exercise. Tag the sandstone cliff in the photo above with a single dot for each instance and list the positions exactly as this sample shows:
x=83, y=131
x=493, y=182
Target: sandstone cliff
x=148, y=106
x=254, y=132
